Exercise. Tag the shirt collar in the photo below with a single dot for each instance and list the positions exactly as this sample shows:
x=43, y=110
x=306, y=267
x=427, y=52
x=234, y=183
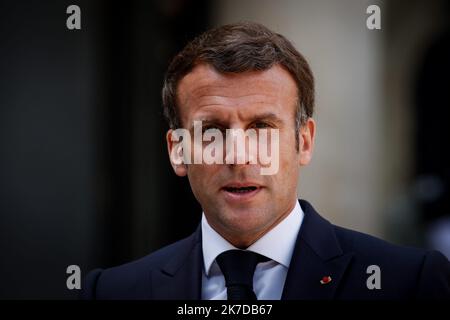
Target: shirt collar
x=277, y=244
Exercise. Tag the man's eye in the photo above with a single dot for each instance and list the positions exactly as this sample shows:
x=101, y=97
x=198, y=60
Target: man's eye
x=261, y=125
x=209, y=127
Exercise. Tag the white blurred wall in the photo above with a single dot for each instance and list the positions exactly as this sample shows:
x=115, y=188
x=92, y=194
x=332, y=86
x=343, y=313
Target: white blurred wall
x=345, y=180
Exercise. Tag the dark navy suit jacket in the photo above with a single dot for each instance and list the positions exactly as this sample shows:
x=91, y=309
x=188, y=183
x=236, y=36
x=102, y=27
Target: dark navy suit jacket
x=321, y=250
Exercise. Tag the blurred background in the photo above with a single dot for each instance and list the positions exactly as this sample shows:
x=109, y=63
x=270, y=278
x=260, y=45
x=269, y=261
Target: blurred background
x=84, y=172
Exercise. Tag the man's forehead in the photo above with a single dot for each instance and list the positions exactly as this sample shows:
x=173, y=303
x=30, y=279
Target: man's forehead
x=205, y=83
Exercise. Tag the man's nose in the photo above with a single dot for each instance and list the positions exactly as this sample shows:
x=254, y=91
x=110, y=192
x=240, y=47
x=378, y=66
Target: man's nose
x=240, y=147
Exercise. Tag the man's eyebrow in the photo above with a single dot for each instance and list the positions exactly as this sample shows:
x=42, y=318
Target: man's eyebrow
x=208, y=120
x=267, y=116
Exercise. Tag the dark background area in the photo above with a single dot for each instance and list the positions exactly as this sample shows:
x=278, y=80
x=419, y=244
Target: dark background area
x=84, y=172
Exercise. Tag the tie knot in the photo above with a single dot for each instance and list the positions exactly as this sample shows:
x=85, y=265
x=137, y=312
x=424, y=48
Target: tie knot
x=238, y=266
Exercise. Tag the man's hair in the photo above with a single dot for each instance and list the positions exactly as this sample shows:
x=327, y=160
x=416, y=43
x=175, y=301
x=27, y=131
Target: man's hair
x=237, y=48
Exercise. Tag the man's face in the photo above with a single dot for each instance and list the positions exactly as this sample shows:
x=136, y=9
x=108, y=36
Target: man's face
x=257, y=99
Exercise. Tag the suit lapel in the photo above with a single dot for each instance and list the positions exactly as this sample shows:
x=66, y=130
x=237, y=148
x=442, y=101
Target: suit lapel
x=317, y=254
x=181, y=277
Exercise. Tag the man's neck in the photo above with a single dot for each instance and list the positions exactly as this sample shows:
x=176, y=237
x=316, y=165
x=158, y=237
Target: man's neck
x=243, y=241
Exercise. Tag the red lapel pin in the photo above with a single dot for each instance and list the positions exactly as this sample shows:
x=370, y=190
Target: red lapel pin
x=325, y=280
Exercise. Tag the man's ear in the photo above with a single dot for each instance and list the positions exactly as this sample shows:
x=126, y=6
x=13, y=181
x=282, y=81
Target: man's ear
x=306, y=141
x=179, y=168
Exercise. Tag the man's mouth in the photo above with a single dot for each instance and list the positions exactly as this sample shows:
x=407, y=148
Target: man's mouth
x=240, y=189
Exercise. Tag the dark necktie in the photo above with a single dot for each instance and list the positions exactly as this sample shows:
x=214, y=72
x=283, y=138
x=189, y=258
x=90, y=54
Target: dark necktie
x=238, y=268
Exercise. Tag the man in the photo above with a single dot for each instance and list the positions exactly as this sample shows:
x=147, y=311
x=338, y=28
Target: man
x=255, y=239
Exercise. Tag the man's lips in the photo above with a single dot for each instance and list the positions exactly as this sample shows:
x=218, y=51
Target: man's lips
x=239, y=191
x=241, y=186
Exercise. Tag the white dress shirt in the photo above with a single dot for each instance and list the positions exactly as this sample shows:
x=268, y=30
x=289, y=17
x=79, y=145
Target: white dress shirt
x=268, y=281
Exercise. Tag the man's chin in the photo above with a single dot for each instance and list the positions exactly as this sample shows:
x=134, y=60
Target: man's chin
x=244, y=221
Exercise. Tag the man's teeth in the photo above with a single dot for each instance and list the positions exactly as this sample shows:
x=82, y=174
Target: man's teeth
x=240, y=190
